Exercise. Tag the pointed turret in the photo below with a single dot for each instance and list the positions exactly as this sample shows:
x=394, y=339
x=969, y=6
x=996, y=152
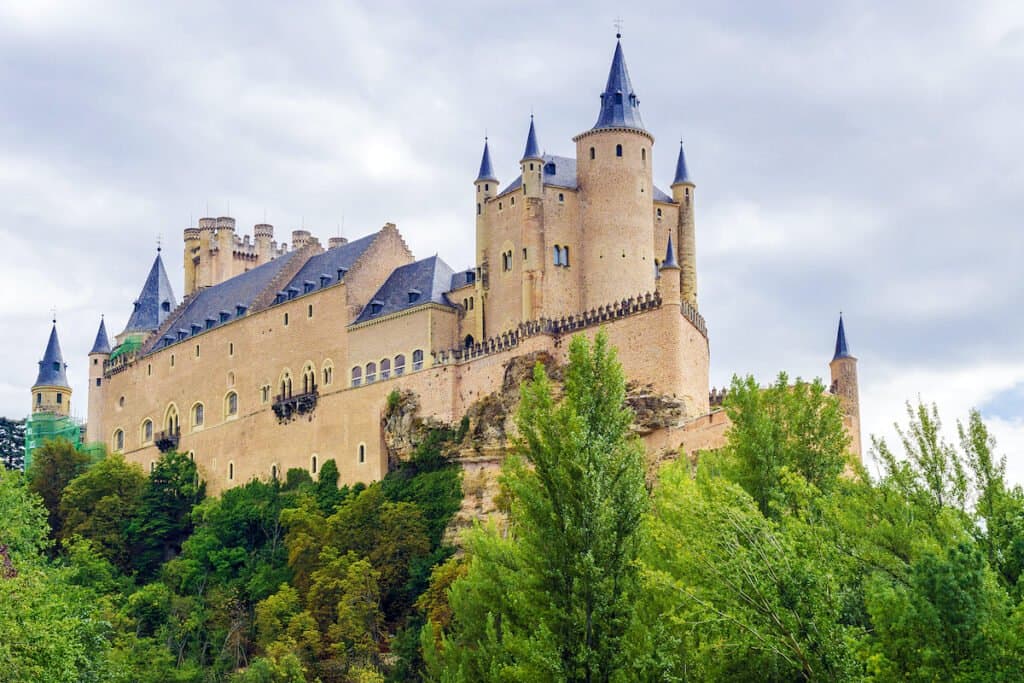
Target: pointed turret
x=842, y=348
x=532, y=150
x=51, y=393
x=155, y=302
x=620, y=107
x=682, y=173
x=102, y=343
x=845, y=385
x=670, y=256
x=486, y=169
x=52, y=367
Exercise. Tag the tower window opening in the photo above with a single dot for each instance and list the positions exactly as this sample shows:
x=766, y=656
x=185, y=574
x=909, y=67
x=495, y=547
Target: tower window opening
x=149, y=370
x=172, y=360
x=309, y=311
x=471, y=303
x=468, y=341
x=312, y=463
x=231, y=471
x=197, y=415
x=231, y=405
x=524, y=253
x=557, y=254
x=97, y=381
x=513, y=199
x=487, y=187
x=531, y=166
x=61, y=396
x=286, y=320
x=478, y=209
x=618, y=149
x=197, y=350
x=561, y=197
x=273, y=472
x=565, y=256
x=643, y=154
x=39, y=399
x=592, y=154
x=231, y=348
x=499, y=206
x=119, y=440
x=362, y=453
x=147, y=431
x=659, y=213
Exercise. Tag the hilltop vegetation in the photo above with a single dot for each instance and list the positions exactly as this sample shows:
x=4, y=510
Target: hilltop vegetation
x=775, y=559
x=12, y=443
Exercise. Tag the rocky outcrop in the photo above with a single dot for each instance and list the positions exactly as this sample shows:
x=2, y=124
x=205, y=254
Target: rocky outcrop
x=404, y=428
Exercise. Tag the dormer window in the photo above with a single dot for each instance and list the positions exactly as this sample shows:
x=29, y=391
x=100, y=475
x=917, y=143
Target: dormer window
x=225, y=316
x=376, y=307
x=324, y=279
x=308, y=286
x=239, y=310
x=196, y=328
x=341, y=274
x=210, y=322
x=165, y=306
x=549, y=168
x=414, y=295
x=618, y=98
x=182, y=334
x=293, y=292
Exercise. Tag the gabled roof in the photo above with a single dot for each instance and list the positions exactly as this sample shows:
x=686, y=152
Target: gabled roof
x=329, y=263
x=486, y=169
x=220, y=303
x=102, y=343
x=52, y=367
x=561, y=172
x=410, y=286
x=155, y=300
x=463, y=278
x=842, y=349
x=532, y=150
x=620, y=107
x=682, y=173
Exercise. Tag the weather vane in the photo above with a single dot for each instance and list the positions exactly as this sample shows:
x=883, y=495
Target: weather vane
x=159, y=240
x=618, y=27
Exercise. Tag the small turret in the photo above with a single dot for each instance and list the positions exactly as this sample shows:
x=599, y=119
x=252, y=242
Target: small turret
x=263, y=234
x=51, y=392
x=532, y=165
x=99, y=354
x=683, y=194
x=846, y=387
x=668, y=276
x=191, y=259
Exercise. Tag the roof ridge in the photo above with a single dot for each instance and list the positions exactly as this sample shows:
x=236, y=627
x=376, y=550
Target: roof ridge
x=297, y=259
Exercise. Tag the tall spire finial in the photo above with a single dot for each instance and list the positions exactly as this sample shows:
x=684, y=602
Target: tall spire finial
x=159, y=239
x=682, y=173
x=670, y=254
x=53, y=314
x=842, y=348
x=618, y=27
x=532, y=150
x=620, y=107
x=486, y=169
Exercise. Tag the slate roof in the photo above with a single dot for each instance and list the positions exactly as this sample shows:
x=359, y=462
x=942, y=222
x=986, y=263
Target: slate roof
x=561, y=172
x=102, y=343
x=327, y=264
x=410, y=286
x=682, y=174
x=52, y=366
x=155, y=300
x=842, y=349
x=532, y=150
x=463, y=278
x=670, y=255
x=486, y=169
x=212, y=306
x=620, y=107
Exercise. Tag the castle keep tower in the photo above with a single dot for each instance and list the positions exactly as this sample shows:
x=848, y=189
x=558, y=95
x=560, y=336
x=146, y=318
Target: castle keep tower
x=51, y=393
x=613, y=162
x=844, y=385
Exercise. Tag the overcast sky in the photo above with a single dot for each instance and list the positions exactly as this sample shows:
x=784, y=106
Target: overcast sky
x=854, y=156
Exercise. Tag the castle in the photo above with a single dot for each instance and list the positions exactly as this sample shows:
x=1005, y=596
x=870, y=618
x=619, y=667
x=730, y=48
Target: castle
x=284, y=356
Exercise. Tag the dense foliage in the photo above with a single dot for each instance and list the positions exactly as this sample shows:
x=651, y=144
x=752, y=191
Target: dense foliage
x=12, y=444
x=777, y=558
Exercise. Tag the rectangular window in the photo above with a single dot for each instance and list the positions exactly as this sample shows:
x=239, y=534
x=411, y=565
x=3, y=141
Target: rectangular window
x=286, y=320
x=231, y=348
x=59, y=397
x=309, y=311
x=197, y=350
x=98, y=381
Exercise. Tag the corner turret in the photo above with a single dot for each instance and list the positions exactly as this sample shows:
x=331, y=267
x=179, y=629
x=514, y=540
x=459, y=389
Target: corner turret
x=532, y=165
x=668, y=276
x=486, y=188
x=99, y=354
x=845, y=386
x=683, y=194
x=51, y=392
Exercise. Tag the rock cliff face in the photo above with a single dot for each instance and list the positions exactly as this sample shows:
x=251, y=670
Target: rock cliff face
x=486, y=434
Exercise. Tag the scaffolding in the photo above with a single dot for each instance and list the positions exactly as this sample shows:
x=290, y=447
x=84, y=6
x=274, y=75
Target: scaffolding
x=42, y=427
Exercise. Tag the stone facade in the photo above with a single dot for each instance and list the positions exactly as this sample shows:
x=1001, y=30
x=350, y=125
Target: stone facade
x=280, y=358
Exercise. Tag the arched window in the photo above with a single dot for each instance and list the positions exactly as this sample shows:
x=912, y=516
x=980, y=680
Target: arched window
x=362, y=452
x=39, y=399
x=557, y=254
x=371, y=373
x=399, y=365
x=328, y=373
x=618, y=150
x=231, y=379
x=231, y=471
x=478, y=211
x=273, y=472
x=286, y=384
x=468, y=341
x=265, y=393
x=565, y=256
x=171, y=419
x=592, y=153
x=417, y=360
x=643, y=154
x=231, y=404
x=308, y=378
x=197, y=415
x=385, y=368
x=312, y=464
x=561, y=197
x=147, y=430
x=118, y=440
x=357, y=376
x=659, y=213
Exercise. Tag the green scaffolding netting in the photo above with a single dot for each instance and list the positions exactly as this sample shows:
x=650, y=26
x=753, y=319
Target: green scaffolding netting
x=42, y=427
x=127, y=347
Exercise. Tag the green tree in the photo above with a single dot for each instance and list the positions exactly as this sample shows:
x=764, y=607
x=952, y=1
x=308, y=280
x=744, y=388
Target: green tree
x=796, y=427
x=54, y=465
x=555, y=600
x=100, y=505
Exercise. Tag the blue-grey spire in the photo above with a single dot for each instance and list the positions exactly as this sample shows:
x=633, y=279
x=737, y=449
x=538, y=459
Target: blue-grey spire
x=102, y=343
x=155, y=302
x=532, y=150
x=486, y=170
x=620, y=107
x=52, y=366
x=670, y=255
x=842, y=349
x=682, y=174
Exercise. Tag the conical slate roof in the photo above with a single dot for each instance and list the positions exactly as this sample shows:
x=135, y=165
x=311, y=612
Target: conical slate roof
x=52, y=367
x=532, y=150
x=670, y=255
x=620, y=107
x=155, y=300
x=102, y=343
x=842, y=349
x=486, y=169
x=682, y=174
